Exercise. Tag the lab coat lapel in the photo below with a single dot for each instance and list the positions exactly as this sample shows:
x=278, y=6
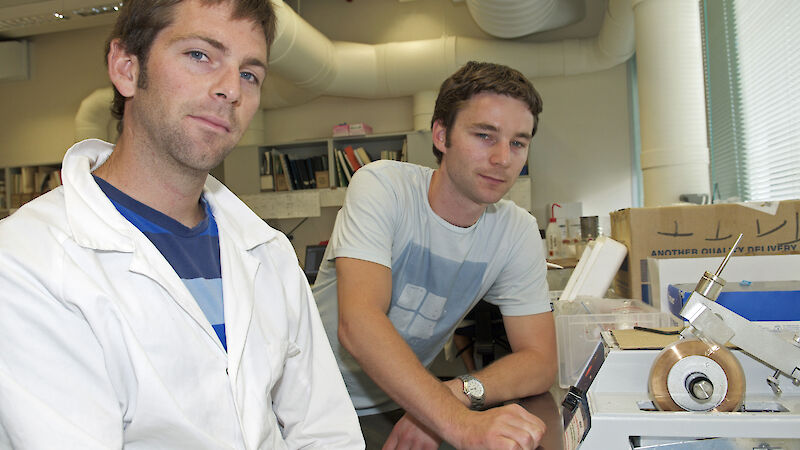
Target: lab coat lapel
x=148, y=261
x=88, y=207
x=238, y=291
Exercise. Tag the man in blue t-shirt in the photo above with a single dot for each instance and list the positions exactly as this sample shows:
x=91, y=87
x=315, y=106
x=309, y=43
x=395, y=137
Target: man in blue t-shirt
x=413, y=249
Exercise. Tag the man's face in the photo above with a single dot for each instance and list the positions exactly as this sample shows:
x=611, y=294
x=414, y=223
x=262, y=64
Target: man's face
x=488, y=146
x=204, y=75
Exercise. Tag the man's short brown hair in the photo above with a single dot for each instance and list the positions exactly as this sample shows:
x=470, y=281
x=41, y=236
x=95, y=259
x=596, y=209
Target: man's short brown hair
x=140, y=21
x=474, y=78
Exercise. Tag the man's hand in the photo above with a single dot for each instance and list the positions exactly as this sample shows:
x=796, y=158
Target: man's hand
x=409, y=433
x=504, y=427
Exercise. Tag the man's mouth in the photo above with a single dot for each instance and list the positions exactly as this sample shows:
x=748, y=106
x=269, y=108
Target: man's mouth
x=492, y=179
x=214, y=122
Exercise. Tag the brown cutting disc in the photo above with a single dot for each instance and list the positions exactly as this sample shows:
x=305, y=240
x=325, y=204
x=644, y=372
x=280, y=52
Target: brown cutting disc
x=665, y=363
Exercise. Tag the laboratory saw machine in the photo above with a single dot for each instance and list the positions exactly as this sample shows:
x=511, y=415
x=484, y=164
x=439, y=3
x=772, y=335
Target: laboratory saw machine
x=727, y=383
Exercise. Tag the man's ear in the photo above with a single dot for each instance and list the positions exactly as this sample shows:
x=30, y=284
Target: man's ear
x=439, y=135
x=123, y=68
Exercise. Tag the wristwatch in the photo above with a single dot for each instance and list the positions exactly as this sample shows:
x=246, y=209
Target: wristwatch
x=473, y=389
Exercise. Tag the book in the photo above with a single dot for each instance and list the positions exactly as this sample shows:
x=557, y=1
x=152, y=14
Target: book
x=267, y=168
x=338, y=171
x=267, y=183
x=351, y=158
x=285, y=167
x=321, y=177
x=309, y=169
x=280, y=182
x=344, y=167
x=363, y=156
x=299, y=177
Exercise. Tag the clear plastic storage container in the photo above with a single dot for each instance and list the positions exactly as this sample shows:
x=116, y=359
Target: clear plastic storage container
x=579, y=324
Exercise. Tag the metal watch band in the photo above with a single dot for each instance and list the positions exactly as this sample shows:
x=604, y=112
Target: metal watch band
x=470, y=384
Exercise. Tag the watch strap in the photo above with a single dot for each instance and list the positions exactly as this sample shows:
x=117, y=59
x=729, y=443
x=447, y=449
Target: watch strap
x=476, y=402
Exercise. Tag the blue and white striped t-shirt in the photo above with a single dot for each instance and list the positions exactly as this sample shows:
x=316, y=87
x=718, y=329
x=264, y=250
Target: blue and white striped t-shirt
x=192, y=252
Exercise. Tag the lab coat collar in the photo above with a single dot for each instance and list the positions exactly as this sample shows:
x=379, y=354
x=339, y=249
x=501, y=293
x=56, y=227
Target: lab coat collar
x=88, y=207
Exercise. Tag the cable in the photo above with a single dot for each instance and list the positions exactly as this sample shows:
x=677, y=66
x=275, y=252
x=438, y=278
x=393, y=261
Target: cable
x=653, y=330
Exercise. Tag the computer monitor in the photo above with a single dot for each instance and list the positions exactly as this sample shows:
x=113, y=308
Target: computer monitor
x=314, y=255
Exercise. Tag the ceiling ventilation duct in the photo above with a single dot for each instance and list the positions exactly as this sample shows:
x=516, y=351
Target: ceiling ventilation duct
x=515, y=18
x=305, y=64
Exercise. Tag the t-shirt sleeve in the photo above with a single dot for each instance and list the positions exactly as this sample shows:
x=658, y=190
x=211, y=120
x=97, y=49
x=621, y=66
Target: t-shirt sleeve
x=521, y=288
x=365, y=224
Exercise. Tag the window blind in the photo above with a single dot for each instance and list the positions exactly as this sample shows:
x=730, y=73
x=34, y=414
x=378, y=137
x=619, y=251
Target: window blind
x=753, y=98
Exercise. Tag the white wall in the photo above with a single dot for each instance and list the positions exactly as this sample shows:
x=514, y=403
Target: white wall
x=582, y=152
x=37, y=115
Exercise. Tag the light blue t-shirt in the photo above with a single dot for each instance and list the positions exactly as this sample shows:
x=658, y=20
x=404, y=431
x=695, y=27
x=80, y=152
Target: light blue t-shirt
x=439, y=270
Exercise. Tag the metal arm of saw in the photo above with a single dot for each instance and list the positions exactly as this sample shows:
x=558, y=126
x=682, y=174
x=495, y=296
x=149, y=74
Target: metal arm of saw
x=713, y=321
x=722, y=325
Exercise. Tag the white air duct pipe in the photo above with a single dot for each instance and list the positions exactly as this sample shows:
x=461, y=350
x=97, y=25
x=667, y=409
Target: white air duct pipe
x=515, y=18
x=93, y=119
x=423, y=104
x=675, y=158
x=308, y=64
x=319, y=66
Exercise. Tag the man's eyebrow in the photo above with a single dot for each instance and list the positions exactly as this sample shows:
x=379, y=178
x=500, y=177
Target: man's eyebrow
x=490, y=127
x=256, y=62
x=483, y=126
x=527, y=136
x=221, y=47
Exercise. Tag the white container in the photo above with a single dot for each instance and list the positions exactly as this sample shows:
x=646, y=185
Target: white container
x=552, y=235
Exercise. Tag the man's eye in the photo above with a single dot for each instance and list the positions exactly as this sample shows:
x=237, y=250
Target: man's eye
x=249, y=77
x=519, y=144
x=198, y=55
x=482, y=135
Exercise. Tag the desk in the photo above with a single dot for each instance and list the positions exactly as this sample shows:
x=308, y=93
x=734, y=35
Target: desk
x=547, y=406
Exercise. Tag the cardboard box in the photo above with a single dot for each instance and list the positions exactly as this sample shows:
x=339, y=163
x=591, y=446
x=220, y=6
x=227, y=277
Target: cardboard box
x=770, y=301
x=359, y=129
x=769, y=228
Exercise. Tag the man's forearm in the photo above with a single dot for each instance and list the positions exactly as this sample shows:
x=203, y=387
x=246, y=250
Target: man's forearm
x=389, y=361
x=516, y=375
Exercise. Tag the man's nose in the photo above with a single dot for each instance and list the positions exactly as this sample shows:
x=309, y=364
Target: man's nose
x=500, y=154
x=228, y=86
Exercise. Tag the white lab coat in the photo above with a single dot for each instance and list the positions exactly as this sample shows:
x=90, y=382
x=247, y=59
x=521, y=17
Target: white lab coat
x=102, y=346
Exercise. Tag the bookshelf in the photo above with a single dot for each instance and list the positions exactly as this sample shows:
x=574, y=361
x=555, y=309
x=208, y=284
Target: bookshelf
x=273, y=199
x=4, y=197
x=19, y=185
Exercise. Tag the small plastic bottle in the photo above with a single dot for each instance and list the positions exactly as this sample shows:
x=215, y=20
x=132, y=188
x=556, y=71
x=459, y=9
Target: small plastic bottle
x=553, y=235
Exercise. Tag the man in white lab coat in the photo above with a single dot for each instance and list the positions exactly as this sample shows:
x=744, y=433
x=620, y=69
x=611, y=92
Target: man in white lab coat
x=145, y=306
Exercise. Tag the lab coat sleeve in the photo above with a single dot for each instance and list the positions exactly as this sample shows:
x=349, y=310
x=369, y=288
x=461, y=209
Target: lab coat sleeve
x=311, y=400
x=54, y=389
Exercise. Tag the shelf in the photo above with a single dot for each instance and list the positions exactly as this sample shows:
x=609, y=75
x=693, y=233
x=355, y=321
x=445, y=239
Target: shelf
x=293, y=204
x=302, y=158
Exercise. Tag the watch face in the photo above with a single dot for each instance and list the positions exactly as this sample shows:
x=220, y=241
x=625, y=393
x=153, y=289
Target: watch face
x=474, y=388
